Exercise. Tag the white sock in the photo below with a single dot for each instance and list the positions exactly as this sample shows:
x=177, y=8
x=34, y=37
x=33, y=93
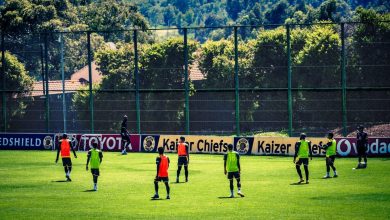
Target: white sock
x=327, y=173
x=239, y=189
x=335, y=172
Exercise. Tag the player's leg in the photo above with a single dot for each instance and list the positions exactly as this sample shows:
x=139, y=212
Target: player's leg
x=186, y=171
x=155, y=189
x=166, y=182
x=332, y=159
x=298, y=168
x=95, y=175
x=230, y=177
x=178, y=170
x=238, y=179
x=306, y=167
x=327, y=159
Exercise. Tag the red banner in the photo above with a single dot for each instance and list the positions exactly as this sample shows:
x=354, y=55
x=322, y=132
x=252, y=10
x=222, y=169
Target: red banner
x=376, y=146
x=106, y=142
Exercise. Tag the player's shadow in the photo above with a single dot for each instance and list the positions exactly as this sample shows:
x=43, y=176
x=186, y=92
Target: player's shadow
x=89, y=190
x=59, y=181
x=228, y=197
x=159, y=199
x=177, y=182
x=298, y=184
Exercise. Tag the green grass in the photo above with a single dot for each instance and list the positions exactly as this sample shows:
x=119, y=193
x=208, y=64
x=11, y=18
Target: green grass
x=28, y=189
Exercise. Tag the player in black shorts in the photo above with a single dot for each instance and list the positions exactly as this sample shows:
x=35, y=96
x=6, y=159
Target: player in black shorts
x=302, y=153
x=362, y=142
x=183, y=158
x=125, y=136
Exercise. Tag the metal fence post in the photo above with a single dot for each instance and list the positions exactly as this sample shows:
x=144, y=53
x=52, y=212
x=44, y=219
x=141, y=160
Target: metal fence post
x=91, y=110
x=343, y=80
x=63, y=80
x=186, y=83
x=136, y=75
x=47, y=100
x=236, y=83
x=289, y=81
x=3, y=94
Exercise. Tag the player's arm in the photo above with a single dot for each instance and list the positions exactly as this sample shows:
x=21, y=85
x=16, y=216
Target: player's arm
x=296, y=150
x=365, y=140
x=168, y=161
x=158, y=165
x=224, y=163
x=188, y=153
x=238, y=163
x=71, y=147
x=88, y=158
x=58, y=151
x=101, y=156
x=310, y=152
x=326, y=145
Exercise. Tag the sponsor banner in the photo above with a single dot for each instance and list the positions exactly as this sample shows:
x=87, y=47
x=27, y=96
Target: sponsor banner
x=18, y=141
x=106, y=142
x=197, y=144
x=283, y=146
x=376, y=147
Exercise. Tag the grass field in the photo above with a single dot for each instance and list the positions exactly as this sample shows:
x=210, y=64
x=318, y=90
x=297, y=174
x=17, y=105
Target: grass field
x=29, y=189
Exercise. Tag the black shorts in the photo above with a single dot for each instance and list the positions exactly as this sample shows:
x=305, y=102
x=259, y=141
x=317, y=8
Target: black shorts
x=230, y=175
x=182, y=161
x=330, y=159
x=66, y=162
x=164, y=179
x=361, y=151
x=125, y=138
x=304, y=161
x=95, y=172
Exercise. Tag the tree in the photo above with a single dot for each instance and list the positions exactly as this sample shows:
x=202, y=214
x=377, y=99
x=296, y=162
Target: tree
x=19, y=82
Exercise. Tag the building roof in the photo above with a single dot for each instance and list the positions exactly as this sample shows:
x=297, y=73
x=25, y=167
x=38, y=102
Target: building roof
x=83, y=74
x=194, y=72
x=55, y=87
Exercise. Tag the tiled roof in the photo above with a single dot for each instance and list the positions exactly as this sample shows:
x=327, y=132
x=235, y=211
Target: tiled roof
x=195, y=73
x=83, y=74
x=55, y=87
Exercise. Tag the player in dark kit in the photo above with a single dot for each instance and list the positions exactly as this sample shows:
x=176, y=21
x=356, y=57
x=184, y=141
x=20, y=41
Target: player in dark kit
x=64, y=146
x=94, y=158
x=302, y=153
x=330, y=149
x=183, y=158
x=361, y=142
x=162, y=163
x=125, y=136
x=233, y=169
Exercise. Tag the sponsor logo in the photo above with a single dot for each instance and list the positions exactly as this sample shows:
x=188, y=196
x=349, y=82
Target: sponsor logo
x=243, y=146
x=48, y=142
x=149, y=143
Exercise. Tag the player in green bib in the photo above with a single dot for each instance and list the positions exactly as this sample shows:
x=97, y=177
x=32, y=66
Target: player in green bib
x=94, y=159
x=302, y=153
x=232, y=169
x=330, y=149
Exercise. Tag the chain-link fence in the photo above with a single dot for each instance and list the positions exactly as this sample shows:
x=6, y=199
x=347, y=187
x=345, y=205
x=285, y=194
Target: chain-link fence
x=238, y=80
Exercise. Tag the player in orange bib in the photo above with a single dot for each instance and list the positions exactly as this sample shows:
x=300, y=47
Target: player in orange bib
x=183, y=158
x=162, y=163
x=64, y=146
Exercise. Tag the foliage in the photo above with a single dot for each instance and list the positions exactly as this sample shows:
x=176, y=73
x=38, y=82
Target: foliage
x=19, y=82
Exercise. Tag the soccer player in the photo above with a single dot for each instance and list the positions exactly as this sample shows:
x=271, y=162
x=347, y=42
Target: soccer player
x=94, y=158
x=162, y=163
x=64, y=146
x=125, y=135
x=302, y=152
x=361, y=142
x=233, y=169
x=183, y=158
x=330, y=148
